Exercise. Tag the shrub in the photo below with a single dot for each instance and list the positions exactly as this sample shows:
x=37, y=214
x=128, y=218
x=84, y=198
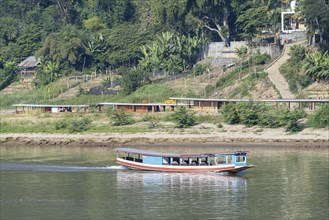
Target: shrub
x=259, y=59
x=242, y=51
x=251, y=114
x=79, y=125
x=219, y=125
x=197, y=70
x=297, y=53
x=294, y=126
x=147, y=118
x=320, y=119
x=62, y=124
x=183, y=118
x=231, y=114
x=120, y=117
x=73, y=125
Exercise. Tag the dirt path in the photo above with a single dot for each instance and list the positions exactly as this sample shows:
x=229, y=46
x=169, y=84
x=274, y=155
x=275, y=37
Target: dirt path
x=274, y=74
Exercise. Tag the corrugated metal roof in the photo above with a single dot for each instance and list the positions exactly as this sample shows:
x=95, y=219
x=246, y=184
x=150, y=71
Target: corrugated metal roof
x=139, y=104
x=50, y=106
x=247, y=100
x=31, y=61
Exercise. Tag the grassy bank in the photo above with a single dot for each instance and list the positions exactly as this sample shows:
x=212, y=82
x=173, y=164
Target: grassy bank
x=247, y=114
x=46, y=95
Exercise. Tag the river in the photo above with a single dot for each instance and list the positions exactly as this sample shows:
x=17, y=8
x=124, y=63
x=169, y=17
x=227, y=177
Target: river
x=84, y=183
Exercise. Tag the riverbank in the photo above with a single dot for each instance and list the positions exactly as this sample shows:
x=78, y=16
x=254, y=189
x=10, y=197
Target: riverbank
x=232, y=134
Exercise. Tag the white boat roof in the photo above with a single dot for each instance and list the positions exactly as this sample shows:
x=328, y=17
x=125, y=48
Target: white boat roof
x=159, y=154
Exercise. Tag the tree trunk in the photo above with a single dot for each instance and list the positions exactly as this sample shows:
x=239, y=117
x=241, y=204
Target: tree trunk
x=313, y=40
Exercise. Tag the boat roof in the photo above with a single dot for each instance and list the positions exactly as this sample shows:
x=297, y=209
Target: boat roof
x=159, y=154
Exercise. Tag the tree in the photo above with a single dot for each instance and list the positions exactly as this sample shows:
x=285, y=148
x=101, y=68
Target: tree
x=170, y=52
x=316, y=13
x=8, y=74
x=65, y=47
x=253, y=22
x=46, y=72
x=94, y=24
x=132, y=79
x=124, y=50
x=215, y=17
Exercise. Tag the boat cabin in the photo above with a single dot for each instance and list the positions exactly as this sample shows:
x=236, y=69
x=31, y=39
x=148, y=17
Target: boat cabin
x=168, y=159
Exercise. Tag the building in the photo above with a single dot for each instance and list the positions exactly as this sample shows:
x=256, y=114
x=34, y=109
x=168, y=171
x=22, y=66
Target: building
x=289, y=21
x=30, y=108
x=141, y=107
x=27, y=66
x=212, y=105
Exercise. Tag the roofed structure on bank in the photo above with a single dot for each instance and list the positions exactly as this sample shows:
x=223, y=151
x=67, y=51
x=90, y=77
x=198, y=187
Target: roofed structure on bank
x=23, y=108
x=28, y=65
x=212, y=105
x=141, y=107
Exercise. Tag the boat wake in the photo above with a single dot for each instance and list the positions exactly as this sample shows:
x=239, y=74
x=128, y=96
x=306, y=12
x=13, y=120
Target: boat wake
x=58, y=168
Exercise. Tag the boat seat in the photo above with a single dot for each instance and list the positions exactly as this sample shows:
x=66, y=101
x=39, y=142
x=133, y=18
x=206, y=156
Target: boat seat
x=174, y=163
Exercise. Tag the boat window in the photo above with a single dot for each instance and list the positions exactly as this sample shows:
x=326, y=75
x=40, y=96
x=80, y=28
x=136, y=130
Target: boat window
x=175, y=161
x=229, y=159
x=165, y=160
x=193, y=161
x=221, y=159
x=212, y=161
x=184, y=161
x=204, y=161
x=240, y=159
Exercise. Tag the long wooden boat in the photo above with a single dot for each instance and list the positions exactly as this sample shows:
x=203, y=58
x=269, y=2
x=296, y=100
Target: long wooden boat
x=232, y=162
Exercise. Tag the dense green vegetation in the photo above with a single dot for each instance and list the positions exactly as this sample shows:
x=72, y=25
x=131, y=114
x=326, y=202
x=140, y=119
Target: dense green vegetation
x=305, y=67
x=316, y=14
x=8, y=74
x=251, y=114
x=95, y=35
x=320, y=119
x=136, y=37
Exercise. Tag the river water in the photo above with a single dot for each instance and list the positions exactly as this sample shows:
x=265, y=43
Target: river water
x=84, y=183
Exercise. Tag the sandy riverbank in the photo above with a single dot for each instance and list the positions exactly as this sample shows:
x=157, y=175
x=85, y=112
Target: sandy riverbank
x=233, y=134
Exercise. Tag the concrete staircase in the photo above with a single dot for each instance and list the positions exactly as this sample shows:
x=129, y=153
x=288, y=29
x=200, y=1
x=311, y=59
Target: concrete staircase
x=275, y=76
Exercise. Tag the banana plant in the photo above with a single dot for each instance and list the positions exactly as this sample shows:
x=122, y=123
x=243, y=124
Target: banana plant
x=97, y=44
x=317, y=65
